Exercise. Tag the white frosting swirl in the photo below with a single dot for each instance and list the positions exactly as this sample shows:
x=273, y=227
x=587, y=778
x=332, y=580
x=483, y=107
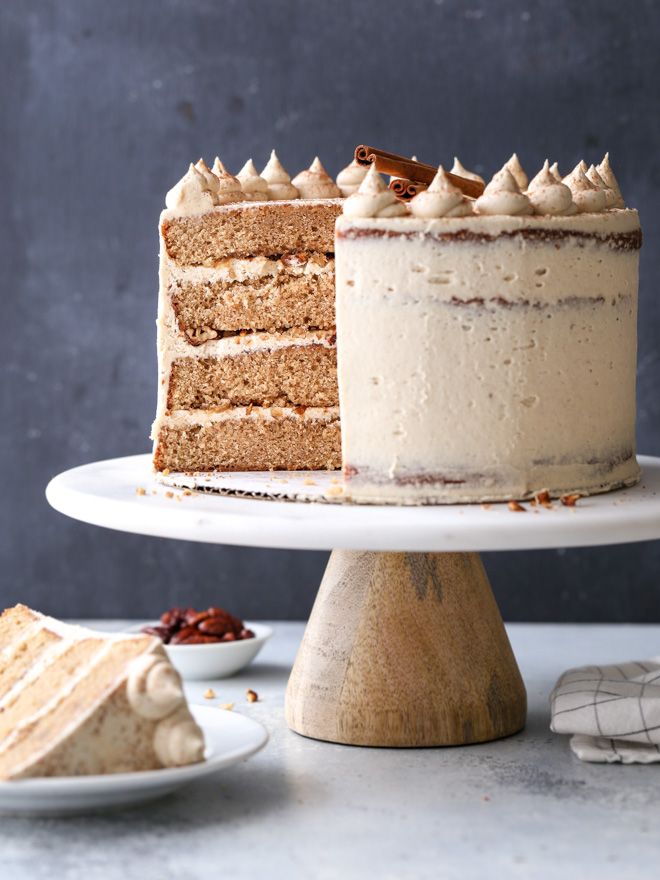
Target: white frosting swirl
x=556, y=173
x=350, y=178
x=254, y=186
x=516, y=169
x=588, y=198
x=316, y=183
x=178, y=740
x=607, y=176
x=278, y=180
x=599, y=183
x=207, y=174
x=153, y=686
x=459, y=169
x=503, y=196
x=548, y=195
x=191, y=195
x=373, y=199
x=441, y=199
x=229, y=187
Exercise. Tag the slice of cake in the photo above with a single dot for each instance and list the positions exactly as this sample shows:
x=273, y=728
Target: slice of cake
x=501, y=353
x=246, y=321
x=78, y=702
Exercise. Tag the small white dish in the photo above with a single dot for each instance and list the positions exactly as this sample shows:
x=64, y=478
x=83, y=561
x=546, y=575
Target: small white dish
x=217, y=660
x=230, y=738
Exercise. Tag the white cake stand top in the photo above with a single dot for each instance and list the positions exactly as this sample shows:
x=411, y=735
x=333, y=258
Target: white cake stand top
x=105, y=493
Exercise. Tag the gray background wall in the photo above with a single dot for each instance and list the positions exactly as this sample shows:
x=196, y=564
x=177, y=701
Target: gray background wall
x=104, y=104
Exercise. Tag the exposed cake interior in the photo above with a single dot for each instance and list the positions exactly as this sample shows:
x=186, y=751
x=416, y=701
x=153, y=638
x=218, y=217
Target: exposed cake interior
x=246, y=343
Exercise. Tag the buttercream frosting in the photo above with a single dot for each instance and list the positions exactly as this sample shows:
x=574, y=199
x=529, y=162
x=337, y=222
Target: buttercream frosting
x=586, y=197
x=548, y=195
x=219, y=167
x=253, y=185
x=556, y=173
x=441, y=199
x=315, y=183
x=373, y=199
x=597, y=180
x=178, y=740
x=350, y=177
x=207, y=174
x=153, y=687
x=518, y=172
x=461, y=171
x=607, y=175
x=503, y=196
x=278, y=180
x=229, y=187
x=191, y=195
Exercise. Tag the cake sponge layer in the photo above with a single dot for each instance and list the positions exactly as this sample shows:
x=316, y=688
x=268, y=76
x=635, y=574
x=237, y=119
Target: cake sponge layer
x=299, y=375
x=251, y=444
x=250, y=229
x=268, y=303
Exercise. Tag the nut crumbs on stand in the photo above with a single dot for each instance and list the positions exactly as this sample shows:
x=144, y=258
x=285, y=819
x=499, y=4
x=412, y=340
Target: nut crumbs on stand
x=252, y=696
x=515, y=507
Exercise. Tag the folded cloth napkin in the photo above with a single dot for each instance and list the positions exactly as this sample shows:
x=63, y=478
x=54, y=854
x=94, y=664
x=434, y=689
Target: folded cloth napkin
x=613, y=712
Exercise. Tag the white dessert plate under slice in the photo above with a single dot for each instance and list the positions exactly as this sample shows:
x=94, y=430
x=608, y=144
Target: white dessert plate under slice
x=213, y=661
x=230, y=738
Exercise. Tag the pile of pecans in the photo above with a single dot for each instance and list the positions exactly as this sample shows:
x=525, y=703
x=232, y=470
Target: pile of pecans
x=187, y=626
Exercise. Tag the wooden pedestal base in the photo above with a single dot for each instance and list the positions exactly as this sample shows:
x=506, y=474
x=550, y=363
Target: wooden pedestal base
x=405, y=649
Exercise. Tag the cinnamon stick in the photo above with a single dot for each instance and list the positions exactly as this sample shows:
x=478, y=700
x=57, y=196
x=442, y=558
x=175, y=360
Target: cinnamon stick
x=417, y=172
x=405, y=189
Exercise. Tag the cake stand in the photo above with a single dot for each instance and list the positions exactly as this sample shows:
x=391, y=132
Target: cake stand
x=405, y=645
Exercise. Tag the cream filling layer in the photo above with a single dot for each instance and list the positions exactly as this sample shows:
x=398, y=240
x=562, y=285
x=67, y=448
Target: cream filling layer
x=252, y=269
x=184, y=418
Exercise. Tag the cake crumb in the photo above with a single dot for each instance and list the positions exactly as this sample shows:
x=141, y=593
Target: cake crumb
x=226, y=706
x=308, y=482
x=486, y=506
x=187, y=492
x=169, y=494
x=570, y=500
x=167, y=472
x=252, y=696
x=515, y=507
x=140, y=490
x=179, y=498
x=209, y=694
x=335, y=490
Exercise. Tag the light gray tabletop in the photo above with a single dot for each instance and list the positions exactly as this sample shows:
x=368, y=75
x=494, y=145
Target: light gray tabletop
x=522, y=807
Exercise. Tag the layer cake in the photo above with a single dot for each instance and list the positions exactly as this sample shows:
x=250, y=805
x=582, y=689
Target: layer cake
x=501, y=353
x=246, y=320
x=78, y=702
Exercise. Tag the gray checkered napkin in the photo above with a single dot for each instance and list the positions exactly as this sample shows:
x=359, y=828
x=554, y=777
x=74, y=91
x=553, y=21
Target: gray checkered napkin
x=612, y=712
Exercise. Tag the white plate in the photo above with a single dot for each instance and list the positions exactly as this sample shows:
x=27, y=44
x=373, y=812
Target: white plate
x=220, y=660
x=230, y=738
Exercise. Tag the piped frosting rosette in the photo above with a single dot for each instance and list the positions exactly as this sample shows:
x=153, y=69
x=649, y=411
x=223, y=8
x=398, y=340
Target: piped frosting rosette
x=374, y=199
x=441, y=199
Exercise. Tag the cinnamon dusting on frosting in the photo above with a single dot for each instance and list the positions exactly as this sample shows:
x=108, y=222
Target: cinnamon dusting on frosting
x=254, y=186
x=516, y=169
x=461, y=171
x=588, y=198
x=607, y=176
x=278, y=180
x=316, y=183
x=350, y=178
x=548, y=195
x=441, y=199
x=503, y=196
x=373, y=199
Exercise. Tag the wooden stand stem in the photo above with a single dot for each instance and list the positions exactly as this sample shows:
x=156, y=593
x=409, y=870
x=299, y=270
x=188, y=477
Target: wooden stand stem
x=405, y=649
